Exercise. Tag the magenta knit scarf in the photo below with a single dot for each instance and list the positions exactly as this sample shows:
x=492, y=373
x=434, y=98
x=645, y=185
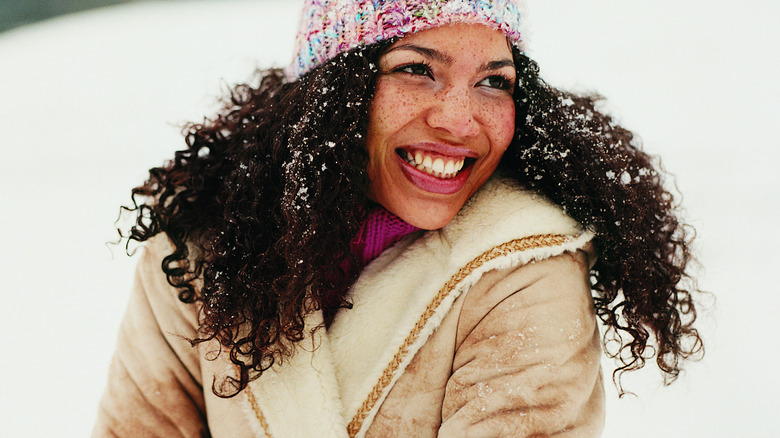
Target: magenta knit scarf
x=379, y=231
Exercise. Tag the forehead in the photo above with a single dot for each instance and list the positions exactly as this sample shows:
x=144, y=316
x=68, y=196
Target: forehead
x=459, y=37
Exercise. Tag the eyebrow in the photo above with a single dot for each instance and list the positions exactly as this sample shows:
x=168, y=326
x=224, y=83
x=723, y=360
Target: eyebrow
x=496, y=65
x=430, y=53
x=447, y=59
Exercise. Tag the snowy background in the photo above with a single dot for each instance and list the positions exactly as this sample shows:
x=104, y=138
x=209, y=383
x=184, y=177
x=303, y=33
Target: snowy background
x=88, y=102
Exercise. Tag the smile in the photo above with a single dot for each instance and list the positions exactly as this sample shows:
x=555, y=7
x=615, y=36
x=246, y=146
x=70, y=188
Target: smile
x=434, y=172
x=438, y=167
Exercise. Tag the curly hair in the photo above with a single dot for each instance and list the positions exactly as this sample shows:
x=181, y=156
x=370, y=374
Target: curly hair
x=262, y=203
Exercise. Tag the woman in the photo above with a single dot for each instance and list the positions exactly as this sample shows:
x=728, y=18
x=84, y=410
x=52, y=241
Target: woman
x=404, y=234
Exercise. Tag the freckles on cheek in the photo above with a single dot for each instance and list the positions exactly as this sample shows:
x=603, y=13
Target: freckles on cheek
x=391, y=105
x=498, y=122
x=506, y=127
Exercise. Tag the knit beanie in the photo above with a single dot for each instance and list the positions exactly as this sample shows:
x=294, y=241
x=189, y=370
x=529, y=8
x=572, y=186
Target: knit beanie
x=331, y=27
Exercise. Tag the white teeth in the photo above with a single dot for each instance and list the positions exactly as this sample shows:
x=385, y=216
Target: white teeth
x=436, y=167
x=449, y=168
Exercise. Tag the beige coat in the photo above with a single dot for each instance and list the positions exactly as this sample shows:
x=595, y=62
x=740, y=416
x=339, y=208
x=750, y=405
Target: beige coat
x=483, y=328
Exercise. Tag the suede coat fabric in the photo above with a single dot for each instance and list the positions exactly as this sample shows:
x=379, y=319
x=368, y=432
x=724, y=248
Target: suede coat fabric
x=484, y=328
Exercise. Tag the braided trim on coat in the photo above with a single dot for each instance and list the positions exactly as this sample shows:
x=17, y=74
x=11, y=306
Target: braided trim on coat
x=518, y=245
x=258, y=413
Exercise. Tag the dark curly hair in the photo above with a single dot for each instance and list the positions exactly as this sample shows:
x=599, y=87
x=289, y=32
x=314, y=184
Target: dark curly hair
x=263, y=202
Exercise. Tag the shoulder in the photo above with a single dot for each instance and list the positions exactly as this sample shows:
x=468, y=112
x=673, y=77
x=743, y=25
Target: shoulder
x=149, y=270
x=523, y=255
x=153, y=288
x=554, y=290
x=154, y=386
x=528, y=339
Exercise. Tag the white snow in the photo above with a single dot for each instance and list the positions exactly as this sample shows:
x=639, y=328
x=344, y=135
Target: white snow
x=88, y=102
x=625, y=177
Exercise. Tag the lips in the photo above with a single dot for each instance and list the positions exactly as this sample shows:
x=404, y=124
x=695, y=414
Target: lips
x=436, y=168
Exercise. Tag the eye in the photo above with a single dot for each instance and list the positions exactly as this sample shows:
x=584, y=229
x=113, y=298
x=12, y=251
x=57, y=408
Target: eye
x=415, y=69
x=499, y=82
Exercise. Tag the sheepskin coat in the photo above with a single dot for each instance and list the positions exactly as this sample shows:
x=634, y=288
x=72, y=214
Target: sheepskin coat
x=483, y=328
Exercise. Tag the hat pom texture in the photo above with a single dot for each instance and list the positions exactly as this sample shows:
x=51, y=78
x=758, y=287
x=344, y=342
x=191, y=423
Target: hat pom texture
x=331, y=27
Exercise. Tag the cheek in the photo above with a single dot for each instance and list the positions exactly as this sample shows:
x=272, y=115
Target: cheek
x=378, y=120
x=391, y=110
x=383, y=123
x=502, y=128
x=386, y=108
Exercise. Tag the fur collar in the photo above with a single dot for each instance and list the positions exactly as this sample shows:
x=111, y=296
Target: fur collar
x=340, y=377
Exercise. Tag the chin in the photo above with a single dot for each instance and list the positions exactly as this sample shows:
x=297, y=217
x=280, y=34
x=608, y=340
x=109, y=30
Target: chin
x=430, y=217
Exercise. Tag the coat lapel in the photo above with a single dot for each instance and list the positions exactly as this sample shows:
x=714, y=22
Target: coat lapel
x=299, y=397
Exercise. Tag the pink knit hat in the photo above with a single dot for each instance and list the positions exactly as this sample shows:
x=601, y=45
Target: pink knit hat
x=330, y=27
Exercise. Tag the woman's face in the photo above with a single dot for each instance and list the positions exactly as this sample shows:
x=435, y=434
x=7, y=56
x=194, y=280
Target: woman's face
x=441, y=118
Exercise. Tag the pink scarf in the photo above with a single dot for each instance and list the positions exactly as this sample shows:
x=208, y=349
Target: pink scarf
x=380, y=231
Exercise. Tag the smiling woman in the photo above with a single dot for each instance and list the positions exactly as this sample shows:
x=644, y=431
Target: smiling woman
x=398, y=236
x=441, y=118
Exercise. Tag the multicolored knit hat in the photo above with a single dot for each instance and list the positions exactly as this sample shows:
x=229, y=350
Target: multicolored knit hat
x=330, y=27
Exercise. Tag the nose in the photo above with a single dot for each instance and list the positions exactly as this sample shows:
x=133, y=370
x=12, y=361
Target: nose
x=452, y=110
